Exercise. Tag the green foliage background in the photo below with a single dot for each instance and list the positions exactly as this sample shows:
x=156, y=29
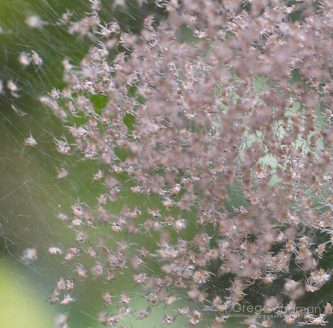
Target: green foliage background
x=30, y=194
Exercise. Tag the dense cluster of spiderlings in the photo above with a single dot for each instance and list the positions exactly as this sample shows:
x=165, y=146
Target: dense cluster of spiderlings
x=221, y=112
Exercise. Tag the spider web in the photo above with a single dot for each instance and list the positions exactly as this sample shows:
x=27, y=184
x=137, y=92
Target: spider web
x=31, y=192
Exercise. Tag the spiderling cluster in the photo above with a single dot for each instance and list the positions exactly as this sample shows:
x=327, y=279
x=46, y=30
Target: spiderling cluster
x=221, y=112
